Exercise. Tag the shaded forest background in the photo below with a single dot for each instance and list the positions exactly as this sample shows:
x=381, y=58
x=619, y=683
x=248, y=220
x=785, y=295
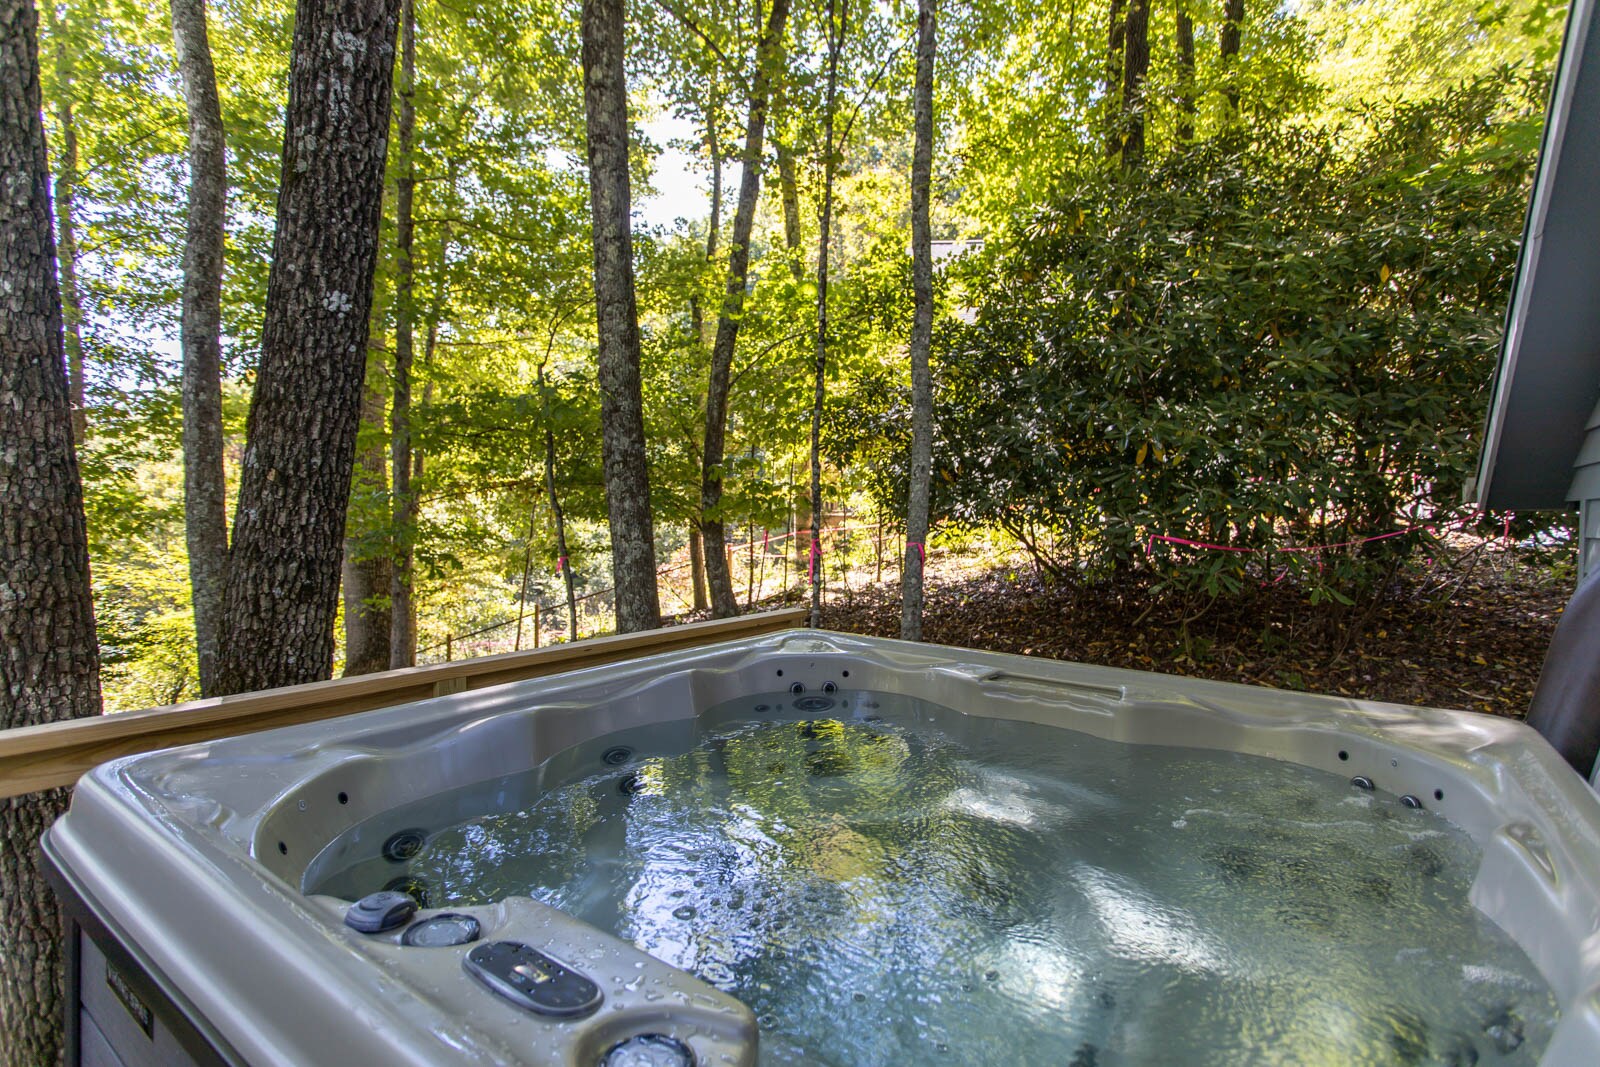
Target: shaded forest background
x=1226, y=273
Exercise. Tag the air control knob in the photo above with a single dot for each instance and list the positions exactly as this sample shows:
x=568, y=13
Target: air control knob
x=377, y=912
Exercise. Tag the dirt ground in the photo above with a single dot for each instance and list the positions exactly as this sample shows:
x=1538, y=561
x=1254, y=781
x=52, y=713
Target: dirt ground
x=1468, y=629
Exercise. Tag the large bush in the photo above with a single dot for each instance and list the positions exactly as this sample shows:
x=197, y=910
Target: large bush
x=1284, y=337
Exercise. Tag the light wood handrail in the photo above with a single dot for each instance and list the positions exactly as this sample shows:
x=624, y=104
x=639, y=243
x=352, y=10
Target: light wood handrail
x=55, y=754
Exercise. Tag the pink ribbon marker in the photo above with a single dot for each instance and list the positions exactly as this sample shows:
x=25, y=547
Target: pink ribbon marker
x=922, y=553
x=561, y=564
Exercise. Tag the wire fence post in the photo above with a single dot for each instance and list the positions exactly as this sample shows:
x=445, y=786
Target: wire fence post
x=449, y=651
x=535, y=624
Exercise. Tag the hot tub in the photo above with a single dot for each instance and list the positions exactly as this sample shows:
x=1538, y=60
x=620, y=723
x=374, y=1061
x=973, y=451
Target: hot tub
x=212, y=886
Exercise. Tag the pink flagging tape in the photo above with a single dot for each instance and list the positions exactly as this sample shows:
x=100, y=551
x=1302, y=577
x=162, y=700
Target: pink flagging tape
x=922, y=553
x=1184, y=542
x=561, y=564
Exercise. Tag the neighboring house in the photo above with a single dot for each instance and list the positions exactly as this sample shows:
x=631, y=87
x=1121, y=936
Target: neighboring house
x=1541, y=448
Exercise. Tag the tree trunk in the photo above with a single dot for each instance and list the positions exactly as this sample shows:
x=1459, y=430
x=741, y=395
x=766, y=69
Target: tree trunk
x=837, y=28
x=627, y=474
x=367, y=565
x=49, y=666
x=1228, y=48
x=283, y=570
x=403, y=629
x=1136, y=64
x=1116, y=31
x=565, y=563
x=718, y=574
x=402, y=581
x=921, y=327
x=1185, y=73
x=205, y=490
x=788, y=188
x=66, y=185
x=697, y=568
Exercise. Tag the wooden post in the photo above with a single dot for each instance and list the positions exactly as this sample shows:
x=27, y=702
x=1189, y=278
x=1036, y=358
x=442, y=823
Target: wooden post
x=878, y=555
x=535, y=624
x=448, y=650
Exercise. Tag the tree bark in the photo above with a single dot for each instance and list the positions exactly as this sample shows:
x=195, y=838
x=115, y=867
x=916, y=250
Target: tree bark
x=1136, y=65
x=283, y=570
x=921, y=327
x=788, y=187
x=627, y=474
x=838, y=26
x=367, y=564
x=1185, y=41
x=403, y=628
x=1116, y=32
x=1228, y=48
x=568, y=579
x=49, y=665
x=718, y=575
x=403, y=610
x=205, y=508
x=66, y=185
x=697, y=568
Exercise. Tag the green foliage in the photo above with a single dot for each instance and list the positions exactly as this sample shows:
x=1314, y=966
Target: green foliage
x=1256, y=342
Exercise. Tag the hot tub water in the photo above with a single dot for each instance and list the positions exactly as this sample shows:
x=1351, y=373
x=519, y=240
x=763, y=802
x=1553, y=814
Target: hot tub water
x=884, y=880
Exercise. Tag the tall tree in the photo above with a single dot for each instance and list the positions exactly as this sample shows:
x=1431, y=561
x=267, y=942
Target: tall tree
x=49, y=666
x=838, y=27
x=283, y=571
x=1135, y=66
x=1185, y=42
x=367, y=564
x=66, y=187
x=713, y=117
x=403, y=615
x=627, y=475
x=921, y=327
x=557, y=515
x=1228, y=48
x=205, y=515
x=769, y=53
x=1116, y=33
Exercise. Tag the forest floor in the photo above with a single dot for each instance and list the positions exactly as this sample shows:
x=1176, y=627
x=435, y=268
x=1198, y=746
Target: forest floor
x=1467, y=629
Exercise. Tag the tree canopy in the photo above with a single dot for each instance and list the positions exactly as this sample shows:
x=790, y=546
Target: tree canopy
x=1235, y=274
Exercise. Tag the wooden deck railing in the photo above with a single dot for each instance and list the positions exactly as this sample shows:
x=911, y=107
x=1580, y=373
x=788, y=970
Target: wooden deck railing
x=40, y=757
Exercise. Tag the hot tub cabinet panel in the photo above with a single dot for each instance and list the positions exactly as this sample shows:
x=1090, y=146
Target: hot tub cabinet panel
x=189, y=865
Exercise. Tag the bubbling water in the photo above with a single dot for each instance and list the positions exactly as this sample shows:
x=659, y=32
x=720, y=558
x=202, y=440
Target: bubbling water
x=925, y=887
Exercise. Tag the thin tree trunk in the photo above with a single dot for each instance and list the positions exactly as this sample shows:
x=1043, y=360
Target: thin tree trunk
x=718, y=574
x=627, y=474
x=367, y=565
x=837, y=28
x=283, y=570
x=1228, y=49
x=557, y=514
x=49, y=664
x=714, y=226
x=403, y=630
x=1115, y=34
x=697, y=568
x=788, y=187
x=1185, y=42
x=66, y=185
x=921, y=327
x=697, y=559
x=205, y=489
x=402, y=581
x=1136, y=65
